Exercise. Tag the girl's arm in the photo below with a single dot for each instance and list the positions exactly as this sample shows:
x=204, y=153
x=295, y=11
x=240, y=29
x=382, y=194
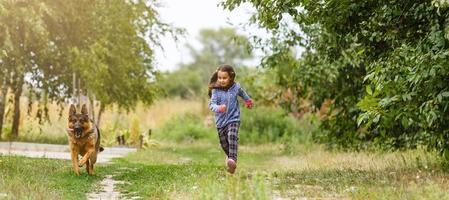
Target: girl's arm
x=213, y=106
x=248, y=100
x=243, y=94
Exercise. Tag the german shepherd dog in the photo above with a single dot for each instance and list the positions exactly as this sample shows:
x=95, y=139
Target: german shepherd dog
x=84, y=140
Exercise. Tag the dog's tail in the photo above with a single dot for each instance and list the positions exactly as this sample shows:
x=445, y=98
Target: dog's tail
x=99, y=139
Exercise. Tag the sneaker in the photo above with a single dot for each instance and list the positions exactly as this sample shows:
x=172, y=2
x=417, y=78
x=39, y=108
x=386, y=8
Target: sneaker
x=231, y=165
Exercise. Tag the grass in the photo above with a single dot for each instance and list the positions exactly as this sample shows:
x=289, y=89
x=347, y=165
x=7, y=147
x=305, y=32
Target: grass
x=187, y=171
x=31, y=178
x=196, y=171
x=114, y=121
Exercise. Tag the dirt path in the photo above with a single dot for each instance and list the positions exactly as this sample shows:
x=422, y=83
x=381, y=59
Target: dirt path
x=107, y=191
x=57, y=151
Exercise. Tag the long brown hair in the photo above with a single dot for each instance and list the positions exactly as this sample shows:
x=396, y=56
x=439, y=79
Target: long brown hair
x=213, y=80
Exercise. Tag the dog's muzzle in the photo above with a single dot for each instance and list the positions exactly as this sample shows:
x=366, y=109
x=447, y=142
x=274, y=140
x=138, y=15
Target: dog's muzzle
x=78, y=131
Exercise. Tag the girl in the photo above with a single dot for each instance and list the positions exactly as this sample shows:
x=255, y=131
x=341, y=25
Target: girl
x=223, y=92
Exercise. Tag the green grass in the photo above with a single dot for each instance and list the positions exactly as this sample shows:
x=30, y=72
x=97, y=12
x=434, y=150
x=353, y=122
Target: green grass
x=33, y=178
x=365, y=184
x=197, y=171
x=187, y=171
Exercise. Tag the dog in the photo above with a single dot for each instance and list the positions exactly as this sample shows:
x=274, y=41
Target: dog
x=84, y=140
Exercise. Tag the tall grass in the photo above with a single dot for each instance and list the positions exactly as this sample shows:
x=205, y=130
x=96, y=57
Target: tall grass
x=260, y=125
x=187, y=126
x=268, y=124
x=114, y=121
x=168, y=119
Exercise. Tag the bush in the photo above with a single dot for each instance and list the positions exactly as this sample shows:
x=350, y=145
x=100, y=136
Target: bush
x=259, y=125
x=186, y=127
x=263, y=124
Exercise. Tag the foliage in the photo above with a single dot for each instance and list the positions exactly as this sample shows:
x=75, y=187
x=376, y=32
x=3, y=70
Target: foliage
x=134, y=132
x=108, y=46
x=268, y=125
x=100, y=42
x=221, y=46
x=261, y=125
x=186, y=127
x=381, y=62
x=183, y=82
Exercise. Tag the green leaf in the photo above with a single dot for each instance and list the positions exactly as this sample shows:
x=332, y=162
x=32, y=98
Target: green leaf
x=361, y=118
x=377, y=118
x=369, y=90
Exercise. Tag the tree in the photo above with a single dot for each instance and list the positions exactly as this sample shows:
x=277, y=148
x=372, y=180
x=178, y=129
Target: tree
x=24, y=38
x=108, y=44
x=219, y=46
x=380, y=61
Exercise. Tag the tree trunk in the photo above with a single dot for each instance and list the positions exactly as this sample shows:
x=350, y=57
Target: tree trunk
x=99, y=114
x=3, y=91
x=92, y=109
x=16, y=117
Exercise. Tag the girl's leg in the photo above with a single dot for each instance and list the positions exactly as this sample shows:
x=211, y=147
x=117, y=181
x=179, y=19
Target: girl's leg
x=223, y=136
x=233, y=138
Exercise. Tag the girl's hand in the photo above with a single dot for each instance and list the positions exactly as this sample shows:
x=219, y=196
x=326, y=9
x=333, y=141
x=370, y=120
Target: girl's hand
x=222, y=108
x=249, y=103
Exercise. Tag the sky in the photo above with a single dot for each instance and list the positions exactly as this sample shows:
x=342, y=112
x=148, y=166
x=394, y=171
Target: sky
x=194, y=15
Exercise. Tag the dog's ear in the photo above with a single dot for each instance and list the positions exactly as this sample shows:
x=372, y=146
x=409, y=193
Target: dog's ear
x=84, y=109
x=72, y=110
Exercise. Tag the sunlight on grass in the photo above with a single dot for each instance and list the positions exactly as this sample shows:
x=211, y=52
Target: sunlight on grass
x=266, y=172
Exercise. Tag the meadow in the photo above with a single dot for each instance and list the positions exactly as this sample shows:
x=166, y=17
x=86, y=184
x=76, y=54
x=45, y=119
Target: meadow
x=190, y=165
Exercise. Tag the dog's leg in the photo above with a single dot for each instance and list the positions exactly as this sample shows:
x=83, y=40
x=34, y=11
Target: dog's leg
x=74, y=155
x=88, y=168
x=91, y=168
x=86, y=156
x=93, y=160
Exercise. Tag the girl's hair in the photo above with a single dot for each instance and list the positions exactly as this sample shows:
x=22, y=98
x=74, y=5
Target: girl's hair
x=214, y=78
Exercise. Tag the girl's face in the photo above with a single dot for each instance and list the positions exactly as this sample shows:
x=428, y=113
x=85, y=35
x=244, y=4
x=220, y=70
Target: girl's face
x=223, y=79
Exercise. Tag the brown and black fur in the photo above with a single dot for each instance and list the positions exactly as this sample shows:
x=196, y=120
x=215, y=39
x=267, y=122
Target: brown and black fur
x=84, y=140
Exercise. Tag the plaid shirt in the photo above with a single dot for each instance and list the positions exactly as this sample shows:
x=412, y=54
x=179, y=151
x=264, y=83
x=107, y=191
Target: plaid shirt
x=229, y=98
